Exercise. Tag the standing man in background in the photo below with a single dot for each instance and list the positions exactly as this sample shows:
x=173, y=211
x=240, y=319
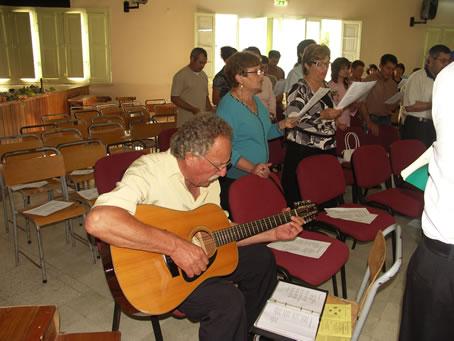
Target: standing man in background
x=190, y=88
x=374, y=110
x=273, y=69
x=417, y=102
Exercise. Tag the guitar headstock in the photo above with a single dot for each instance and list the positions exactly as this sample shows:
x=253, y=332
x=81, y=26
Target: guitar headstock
x=306, y=209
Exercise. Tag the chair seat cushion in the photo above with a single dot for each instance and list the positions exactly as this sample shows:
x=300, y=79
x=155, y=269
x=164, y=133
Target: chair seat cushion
x=403, y=201
x=311, y=270
x=359, y=231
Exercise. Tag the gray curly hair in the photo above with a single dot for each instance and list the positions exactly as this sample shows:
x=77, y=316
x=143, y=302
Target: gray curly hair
x=197, y=135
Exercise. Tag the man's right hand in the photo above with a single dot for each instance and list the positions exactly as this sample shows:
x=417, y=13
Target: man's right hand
x=189, y=257
x=374, y=128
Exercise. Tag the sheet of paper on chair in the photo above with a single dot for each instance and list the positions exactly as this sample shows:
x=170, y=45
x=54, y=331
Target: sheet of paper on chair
x=302, y=246
x=89, y=194
x=355, y=92
x=82, y=171
x=314, y=99
x=29, y=185
x=49, y=208
x=336, y=321
x=360, y=214
x=394, y=98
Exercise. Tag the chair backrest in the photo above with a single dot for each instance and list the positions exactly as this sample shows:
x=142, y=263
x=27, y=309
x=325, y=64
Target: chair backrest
x=86, y=115
x=37, y=129
x=252, y=197
x=150, y=103
x=147, y=128
x=109, y=119
x=116, y=110
x=19, y=142
x=404, y=152
x=371, y=166
x=346, y=139
x=320, y=178
x=133, y=116
x=32, y=169
x=108, y=133
x=276, y=151
x=164, y=138
x=110, y=169
x=388, y=135
x=79, y=124
x=82, y=154
x=55, y=137
x=371, y=282
x=51, y=118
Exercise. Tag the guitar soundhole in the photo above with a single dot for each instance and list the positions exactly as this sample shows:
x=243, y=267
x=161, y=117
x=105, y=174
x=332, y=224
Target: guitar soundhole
x=204, y=240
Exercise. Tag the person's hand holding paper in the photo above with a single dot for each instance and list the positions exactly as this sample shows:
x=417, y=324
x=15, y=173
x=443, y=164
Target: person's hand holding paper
x=327, y=114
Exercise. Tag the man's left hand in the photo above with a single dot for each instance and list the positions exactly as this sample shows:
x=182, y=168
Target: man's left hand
x=291, y=229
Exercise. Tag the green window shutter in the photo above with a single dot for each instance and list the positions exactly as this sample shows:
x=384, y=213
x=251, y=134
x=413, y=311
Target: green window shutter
x=22, y=44
x=5, y=66
x=51, y=43
x=73, y=45
x=99, y=46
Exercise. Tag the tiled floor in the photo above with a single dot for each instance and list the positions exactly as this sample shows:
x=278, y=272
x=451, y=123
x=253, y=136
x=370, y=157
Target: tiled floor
x=79, y=290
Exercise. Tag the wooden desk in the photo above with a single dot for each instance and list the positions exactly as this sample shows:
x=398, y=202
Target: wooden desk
x=32, y=323
x=82, y=100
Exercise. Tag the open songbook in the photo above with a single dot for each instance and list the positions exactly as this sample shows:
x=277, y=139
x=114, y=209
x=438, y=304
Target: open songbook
x=292, y=313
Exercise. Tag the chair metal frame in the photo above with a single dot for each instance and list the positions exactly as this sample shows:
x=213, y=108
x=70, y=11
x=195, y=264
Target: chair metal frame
x=61, y=136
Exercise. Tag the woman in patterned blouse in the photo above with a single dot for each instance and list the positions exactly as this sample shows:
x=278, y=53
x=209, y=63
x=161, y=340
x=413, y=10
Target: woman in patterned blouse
x=316, y=131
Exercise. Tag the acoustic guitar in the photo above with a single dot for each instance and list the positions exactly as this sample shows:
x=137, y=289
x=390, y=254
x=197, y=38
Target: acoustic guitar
x=151, y=283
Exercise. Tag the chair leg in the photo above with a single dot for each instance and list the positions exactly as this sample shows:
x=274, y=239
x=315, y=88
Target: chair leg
x=156, y=328
x=335, y=292
x=69, y=224
x=354, y=244
x=5, y=209
x=41, y=254
x=116, y=318
x=344, y=282
x=27, y=223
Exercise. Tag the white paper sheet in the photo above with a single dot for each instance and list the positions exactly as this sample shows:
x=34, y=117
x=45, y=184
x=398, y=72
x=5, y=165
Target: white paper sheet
x=89, y=194
x=355, y=92
x=360, y=214
x=49, y=208
x=82, y=172
x=402, y=83
x=29, y=185
x=317, y=97
x=302, y=246
x=394, y=98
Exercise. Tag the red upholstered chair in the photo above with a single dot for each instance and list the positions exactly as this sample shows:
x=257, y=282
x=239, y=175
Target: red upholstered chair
x=164, y=138
x=252, y=197
x=371, y=167
x=276, y=155
x=320, y=180
x=108, y=171
x=402, y=154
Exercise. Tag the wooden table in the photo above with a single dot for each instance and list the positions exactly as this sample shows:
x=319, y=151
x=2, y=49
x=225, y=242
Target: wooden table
x=82, y=100
x=32, y=323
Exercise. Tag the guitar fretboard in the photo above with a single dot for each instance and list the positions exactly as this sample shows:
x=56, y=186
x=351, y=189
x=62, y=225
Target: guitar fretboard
x=246, y=230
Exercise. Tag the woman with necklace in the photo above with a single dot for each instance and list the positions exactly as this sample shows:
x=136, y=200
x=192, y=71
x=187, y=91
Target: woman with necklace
x=316, y=131
x=249, y=119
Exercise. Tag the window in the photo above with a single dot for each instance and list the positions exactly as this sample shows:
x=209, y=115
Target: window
x=58, y=45
x=283, y=34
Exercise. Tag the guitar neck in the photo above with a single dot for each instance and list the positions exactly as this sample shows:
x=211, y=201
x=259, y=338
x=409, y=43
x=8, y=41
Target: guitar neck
x=246, y=230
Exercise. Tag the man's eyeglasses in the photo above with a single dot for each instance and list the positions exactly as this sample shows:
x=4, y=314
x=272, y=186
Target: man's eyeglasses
x=257, y=72
x=320, y=64
x=221, y=166
x=443, y=60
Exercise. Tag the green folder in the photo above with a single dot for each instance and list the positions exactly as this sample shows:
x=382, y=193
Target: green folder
x=419, y=177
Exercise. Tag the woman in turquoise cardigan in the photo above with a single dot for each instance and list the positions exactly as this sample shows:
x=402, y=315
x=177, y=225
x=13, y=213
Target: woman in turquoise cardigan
x=249, y=119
